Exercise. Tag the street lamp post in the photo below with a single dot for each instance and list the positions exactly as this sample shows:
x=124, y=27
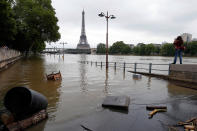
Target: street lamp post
x=63, y=45
x=107, y=17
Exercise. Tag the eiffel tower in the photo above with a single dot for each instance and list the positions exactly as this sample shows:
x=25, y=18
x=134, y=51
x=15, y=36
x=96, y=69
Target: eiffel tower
x=83, y=43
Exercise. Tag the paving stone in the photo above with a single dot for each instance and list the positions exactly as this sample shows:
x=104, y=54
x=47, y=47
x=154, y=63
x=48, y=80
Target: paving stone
x=121, y=102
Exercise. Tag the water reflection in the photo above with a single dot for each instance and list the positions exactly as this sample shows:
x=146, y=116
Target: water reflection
x=31, y=72
x=106, y=81
x=83, y=75
x=124, y=74
x=149, y=83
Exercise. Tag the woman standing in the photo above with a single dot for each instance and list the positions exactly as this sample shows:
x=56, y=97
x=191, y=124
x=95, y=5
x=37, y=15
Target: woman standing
x=178, y=43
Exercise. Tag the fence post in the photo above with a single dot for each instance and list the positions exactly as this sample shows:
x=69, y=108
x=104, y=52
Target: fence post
x=101, y=63
x=96, y=63
x=91, y=63
x=150, y=67
x=124, y=66
x=169, y=70
x=135, y=67
x=115, y=65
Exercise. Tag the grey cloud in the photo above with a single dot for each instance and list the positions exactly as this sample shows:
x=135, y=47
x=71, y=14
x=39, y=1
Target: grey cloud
x=159, y=18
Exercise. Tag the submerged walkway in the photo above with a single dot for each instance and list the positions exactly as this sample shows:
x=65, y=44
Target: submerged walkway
x=184, y=74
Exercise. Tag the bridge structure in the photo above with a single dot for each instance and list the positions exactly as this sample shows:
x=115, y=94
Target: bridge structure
x=53, y=50
x=68, y=51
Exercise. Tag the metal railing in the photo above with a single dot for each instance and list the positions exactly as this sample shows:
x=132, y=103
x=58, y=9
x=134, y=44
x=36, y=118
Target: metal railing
x=136, y=67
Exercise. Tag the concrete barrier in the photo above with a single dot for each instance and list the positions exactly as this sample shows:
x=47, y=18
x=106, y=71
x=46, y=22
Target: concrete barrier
x=184, y=72
x=7, y=57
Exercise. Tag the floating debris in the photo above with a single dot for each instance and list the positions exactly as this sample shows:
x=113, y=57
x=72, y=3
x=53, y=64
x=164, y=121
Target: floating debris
x=54, y=76
x=85, y=128
x=156, y=109
x=121, y=102
x=189, y=125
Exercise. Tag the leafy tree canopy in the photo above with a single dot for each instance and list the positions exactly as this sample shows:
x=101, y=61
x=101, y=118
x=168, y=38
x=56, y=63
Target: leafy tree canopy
x=36, y=24
x=101, y=48
x=167, y=49
x=119, y=47
x=7, y=22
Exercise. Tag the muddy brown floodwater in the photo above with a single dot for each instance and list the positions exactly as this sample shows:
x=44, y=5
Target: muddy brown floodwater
x=77, y=99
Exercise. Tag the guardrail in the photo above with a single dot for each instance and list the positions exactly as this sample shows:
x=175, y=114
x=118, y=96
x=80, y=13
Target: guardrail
x=136, y=67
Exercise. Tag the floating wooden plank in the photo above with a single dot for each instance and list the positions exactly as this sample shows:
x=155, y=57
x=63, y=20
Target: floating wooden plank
x=189, y=127
x=121, y=102
x=155, y=111
x=155, y=107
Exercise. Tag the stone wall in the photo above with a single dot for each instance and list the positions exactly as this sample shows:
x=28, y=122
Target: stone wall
x=8, y=56
x=184, y=72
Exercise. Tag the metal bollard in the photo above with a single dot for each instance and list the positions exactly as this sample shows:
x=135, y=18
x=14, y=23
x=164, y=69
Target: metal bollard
x=150, y=67
x=135, y=67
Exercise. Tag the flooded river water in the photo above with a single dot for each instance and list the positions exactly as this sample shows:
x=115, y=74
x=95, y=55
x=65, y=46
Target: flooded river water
x=76, y=99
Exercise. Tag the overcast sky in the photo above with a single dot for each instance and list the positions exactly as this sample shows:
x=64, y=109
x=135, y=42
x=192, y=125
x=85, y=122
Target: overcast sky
x=147, y=21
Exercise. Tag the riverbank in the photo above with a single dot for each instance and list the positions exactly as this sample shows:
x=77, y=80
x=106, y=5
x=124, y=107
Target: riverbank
x=8, y=57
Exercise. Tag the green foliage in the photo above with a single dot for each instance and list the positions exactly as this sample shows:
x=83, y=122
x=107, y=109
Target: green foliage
x=150, y=49
x=142, y=49
x=36, y=24
x=136, y=50
x=191, y=48
x=7, y=23
x=119, y=47
x=101, y=48
x=167, y=50
x=157, y=50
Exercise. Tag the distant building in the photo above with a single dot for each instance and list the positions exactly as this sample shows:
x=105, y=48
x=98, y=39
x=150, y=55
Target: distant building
x=131, y=45
x=139, y=44
x=186, y=37
x=194, y=39
x=157, y=45
x=164, y=42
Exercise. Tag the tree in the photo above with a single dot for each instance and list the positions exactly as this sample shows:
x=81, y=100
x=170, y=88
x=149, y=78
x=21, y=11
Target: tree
x=142, y=49
x=149, y=49
x=119, y=47
x=7, y=23
x=36, y=24
x=167, y=49
x=191, y=48
x=157, y=50
x=136, y=50
x=126, y=49
x=101, y=48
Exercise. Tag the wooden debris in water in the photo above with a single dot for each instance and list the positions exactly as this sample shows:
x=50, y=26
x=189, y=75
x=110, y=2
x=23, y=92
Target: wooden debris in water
x=189, y=125
x=155, y=107
x=85, y=128
x=155, y=111
x=54, y=76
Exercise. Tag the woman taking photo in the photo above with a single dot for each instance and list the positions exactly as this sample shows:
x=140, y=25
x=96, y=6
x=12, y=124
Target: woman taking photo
x=178, y=43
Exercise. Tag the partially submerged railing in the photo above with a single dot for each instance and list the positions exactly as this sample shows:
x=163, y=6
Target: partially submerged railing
x=136, y=67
